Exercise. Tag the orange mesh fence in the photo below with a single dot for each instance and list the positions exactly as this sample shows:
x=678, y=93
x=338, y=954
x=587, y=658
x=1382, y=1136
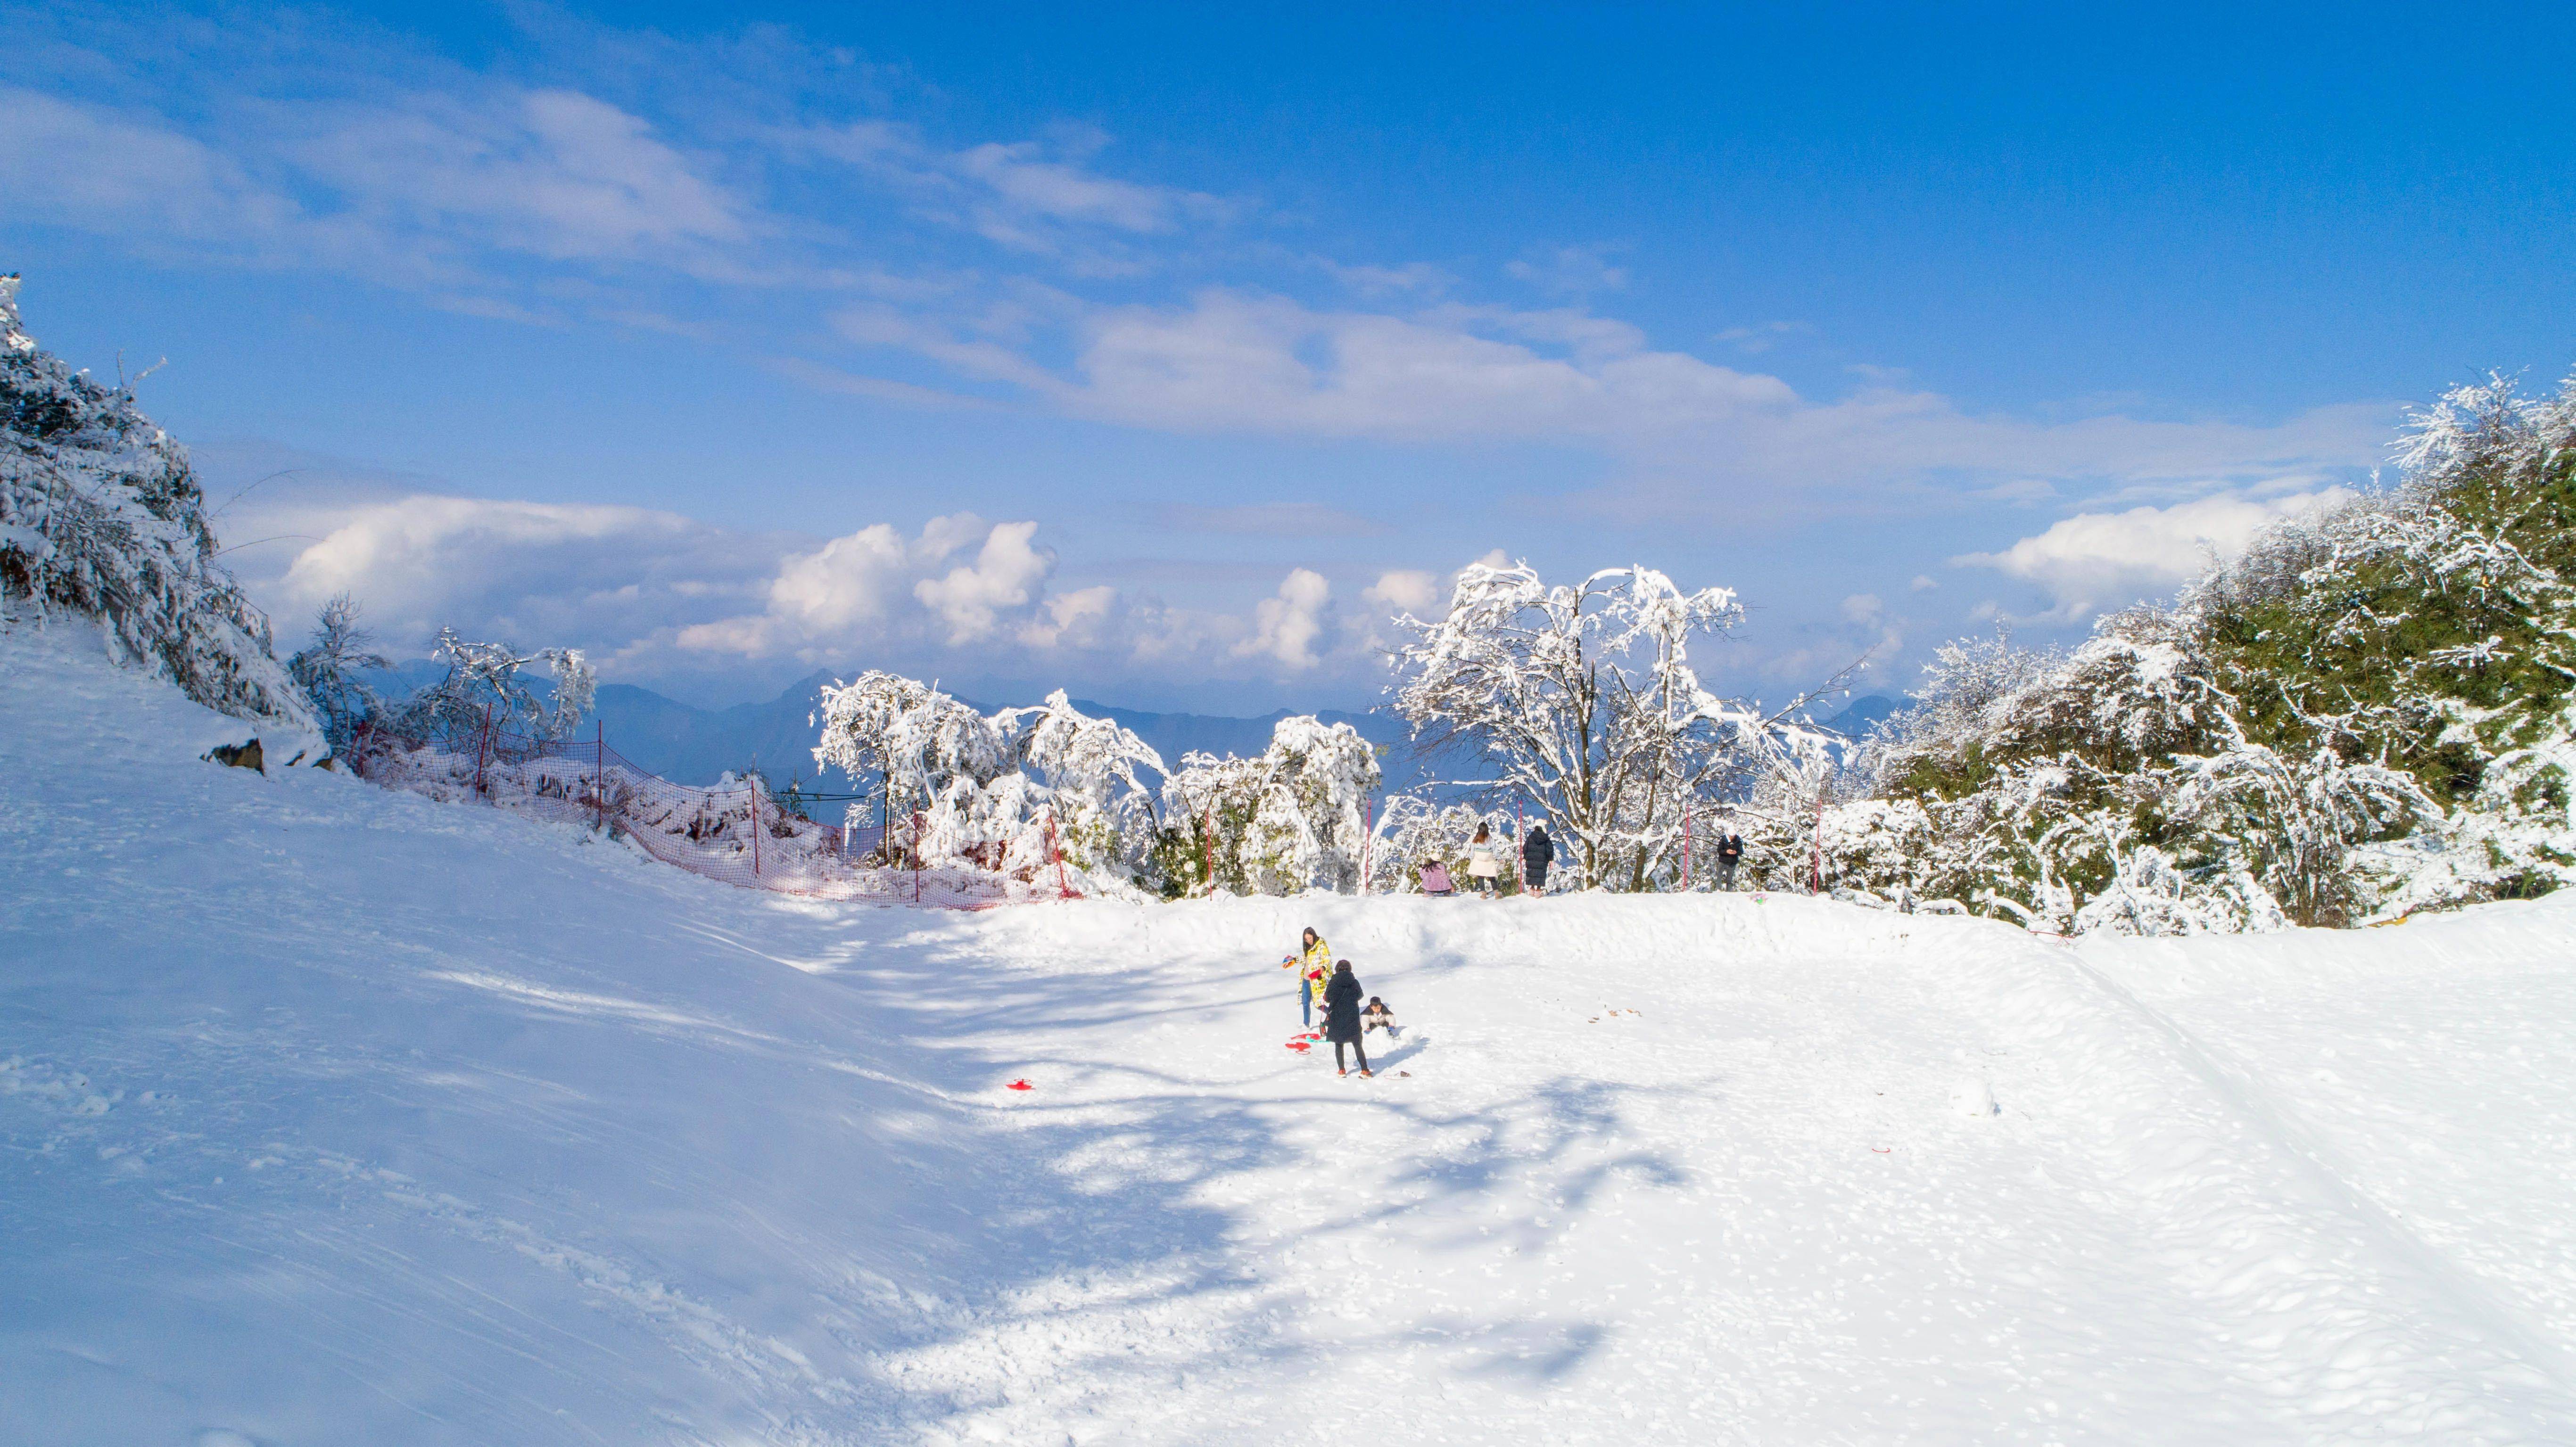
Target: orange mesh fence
x=738, y=835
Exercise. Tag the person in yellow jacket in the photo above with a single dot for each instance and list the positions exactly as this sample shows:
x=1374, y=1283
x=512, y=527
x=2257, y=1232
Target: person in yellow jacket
x=1314, y=966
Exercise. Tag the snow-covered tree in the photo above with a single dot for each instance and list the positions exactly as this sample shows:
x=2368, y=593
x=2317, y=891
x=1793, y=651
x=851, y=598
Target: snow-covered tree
x=482, y=686
x=915, y=738
x=1104, y=805
x=101, y=515
x=1289, y=819
x=331, y=672
x=1012, y=792
x=1581, y=699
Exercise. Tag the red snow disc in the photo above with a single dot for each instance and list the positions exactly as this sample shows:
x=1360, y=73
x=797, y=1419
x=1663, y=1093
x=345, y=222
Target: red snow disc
x=1300, y=1046
x=1882, y=1150
x=1021, y=1085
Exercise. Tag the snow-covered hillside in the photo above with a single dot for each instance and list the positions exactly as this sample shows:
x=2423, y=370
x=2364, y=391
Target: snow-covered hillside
x=331, y=1115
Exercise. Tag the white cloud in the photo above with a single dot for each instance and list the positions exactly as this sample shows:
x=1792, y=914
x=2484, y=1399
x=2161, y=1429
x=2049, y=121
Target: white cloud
x=1863, y=608
x=875, y=586
x=656, y=595
x=1923, y=583
x=1006, y=576
x=2093, y=562
x=1286, y=627
x=598, y=575
x=1079, y=619
x=1405, y=590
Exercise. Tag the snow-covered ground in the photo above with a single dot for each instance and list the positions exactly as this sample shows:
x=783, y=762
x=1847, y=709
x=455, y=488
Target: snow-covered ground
x=330, y=1115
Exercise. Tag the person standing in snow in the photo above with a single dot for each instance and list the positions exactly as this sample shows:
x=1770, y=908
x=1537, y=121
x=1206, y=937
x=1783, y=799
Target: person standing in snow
x=1484, y=862
x=1342, y=1017
x=1311, y=963
x=1537, y=853
x=1730, y=848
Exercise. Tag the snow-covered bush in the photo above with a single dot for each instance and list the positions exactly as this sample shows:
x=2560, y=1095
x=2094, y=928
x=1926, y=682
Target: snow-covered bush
x=100, y=514
x=2371, y=710
x=1289, y=819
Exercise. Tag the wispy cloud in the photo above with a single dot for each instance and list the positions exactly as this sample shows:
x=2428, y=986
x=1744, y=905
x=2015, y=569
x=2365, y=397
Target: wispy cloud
x=1569, y=271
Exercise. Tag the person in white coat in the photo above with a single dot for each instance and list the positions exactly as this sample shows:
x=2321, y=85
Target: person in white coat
x=1484, y=862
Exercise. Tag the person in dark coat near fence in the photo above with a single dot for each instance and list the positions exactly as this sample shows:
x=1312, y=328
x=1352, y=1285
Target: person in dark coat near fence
x=1537, y=853
x=1730, y=852
x=1342, y=1017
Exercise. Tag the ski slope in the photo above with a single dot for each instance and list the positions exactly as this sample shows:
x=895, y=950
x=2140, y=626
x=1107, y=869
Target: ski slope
x=331, y=1115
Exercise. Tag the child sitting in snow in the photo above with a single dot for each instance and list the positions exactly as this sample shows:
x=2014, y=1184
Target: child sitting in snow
x=1435, y=879
x=1377, y=1017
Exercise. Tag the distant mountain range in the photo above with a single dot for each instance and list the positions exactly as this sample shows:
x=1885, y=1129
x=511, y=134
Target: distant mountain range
x=691, y=745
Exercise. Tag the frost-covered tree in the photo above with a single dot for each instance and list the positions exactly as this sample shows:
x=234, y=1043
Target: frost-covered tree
x=331, y=670
x=1014, y=791
x=483, y=686
x=915, y=738
x=101, y=515
x=1094, y=770
x=1581, y=699
x=1289, y=819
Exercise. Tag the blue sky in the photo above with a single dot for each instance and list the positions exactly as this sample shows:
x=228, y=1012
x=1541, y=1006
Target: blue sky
x=1162, y=354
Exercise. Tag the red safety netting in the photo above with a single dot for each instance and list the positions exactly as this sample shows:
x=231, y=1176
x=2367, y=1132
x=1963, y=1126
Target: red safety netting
x=739, y=835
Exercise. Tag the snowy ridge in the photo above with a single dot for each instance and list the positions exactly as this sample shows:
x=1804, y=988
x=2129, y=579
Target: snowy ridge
x=332, y=1114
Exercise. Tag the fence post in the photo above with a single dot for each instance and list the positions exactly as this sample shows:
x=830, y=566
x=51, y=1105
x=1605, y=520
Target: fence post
x=755, y=827
x=1520, y=836
x=1686, y=846
x=916, y=856
x=1207, y=848
x=1368, y=834
x=599, y=775
x=1057, y=850
x=1816, y=879
x=482, y=750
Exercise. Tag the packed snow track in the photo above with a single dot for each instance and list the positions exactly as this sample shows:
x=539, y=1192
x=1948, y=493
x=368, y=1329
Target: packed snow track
x=331, y=1115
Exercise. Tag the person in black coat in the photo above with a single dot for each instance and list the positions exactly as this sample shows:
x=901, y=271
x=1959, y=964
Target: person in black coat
x=1730, y=852
x=1537, y=853
x=1342, y=1016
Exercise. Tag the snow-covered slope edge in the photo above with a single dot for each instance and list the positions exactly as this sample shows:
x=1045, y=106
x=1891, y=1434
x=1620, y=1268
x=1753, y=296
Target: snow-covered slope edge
x=336, y=1115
